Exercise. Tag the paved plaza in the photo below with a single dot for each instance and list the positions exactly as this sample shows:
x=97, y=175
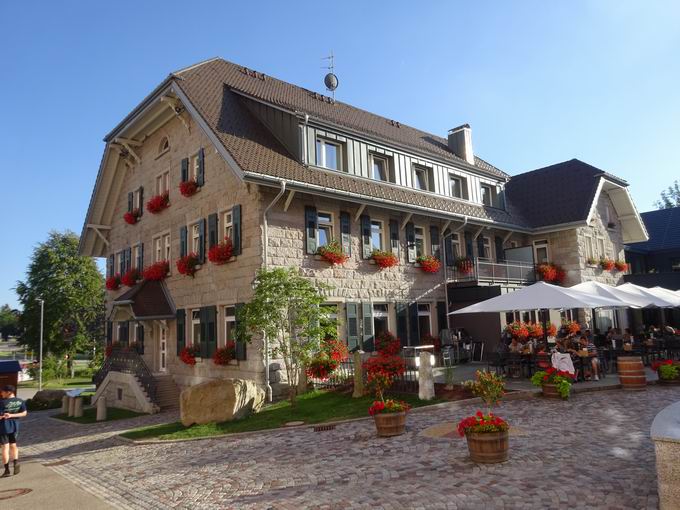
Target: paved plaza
x=593, y=451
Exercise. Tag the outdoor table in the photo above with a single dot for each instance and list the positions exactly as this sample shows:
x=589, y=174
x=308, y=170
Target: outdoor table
x=583, y=359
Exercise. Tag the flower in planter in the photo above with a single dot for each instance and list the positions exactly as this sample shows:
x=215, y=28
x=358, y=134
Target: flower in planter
x=552, y=329
x=591, y=261
x=464, y=265
x=158, y=203
x=607, y=264
x=488, y=386
x=667, y=369
x=551, y=273
x=620, y=265
x=518, y=329
x=221, y=252
x=535, y=330
x=131, y=217
x=572, y=327
x=188, y=188
x=113, y=282
x=332, y=252
x=482, y=423
x=224, y=355
x=157, y=271
x=187, y=265
x=129, y=279
x=384, y=259
x=429, y=263
x=388, y=406
x=188, y=355
x=562, y=380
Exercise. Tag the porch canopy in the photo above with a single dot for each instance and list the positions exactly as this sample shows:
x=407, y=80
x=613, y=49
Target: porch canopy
x=148, y=300
x=654, y=299
x=541, y=295
x=632, y=299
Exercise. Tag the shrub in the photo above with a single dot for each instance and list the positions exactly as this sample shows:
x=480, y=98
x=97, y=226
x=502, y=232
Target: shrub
x=387, y=344
x=33, y=404
x=488, y=386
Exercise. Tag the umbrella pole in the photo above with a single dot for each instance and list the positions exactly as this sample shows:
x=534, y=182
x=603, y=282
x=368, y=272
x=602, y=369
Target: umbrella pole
x=544, y=314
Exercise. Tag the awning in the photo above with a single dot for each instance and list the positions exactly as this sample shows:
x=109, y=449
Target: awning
x=604, y=290
x=654, y=299
x=148, y=300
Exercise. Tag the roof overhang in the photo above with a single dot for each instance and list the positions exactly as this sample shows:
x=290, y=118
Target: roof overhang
x=148, y=300
x=632, y=227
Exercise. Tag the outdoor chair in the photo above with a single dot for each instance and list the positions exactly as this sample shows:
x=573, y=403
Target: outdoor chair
x=514, y=366
x=497, y=361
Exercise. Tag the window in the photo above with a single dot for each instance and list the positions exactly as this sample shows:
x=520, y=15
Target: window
x=601, y=252
x=195, y=238
x=421, y=178
x=457, y=186
x=424, y=325
x=381, y=321
x=118, y=257
x=135, y=256
x=541, y=254
x=487, y=196
x=420, y=241
x=194, y=165
x=379, y=169
x=158, y=249
x=137, y=199
x=196, y=328
x=166, y=247
x=486, y=248
x=229, y=324
x=227, y=221
x=164, y=146
x=328, y=154
x=163, y=183
x=455, y=243
x=590, y=248
x=377, y=235
x=324, y=230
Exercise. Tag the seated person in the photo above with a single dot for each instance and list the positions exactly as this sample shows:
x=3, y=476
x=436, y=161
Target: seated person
x=592, y=352
x=515, y=347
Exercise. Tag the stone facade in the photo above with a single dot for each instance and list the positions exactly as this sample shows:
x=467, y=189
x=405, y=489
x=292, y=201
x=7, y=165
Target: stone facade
x=123, y=391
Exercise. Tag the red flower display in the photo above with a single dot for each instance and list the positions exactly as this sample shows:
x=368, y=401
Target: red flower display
x=384, y=259
x=188, y=355
x=158, y=203
x=465, y=265
x=332, y=252
x=131, y=217
x=187, y=265
x=224, y=355
x=573, y=327
x=620, y=265
x=657, y=364
x=129, y=279
x=188, y=188
x=221, y=252
x=331, y=354
x=551, y=273
x=387, y=344
x=552, y=329
x=113, y=282
x=388, y=406
x=429, y=264
x=607, y=264
x=157, y=271
x=480, y=422
x=518, y=330
x=535, y=330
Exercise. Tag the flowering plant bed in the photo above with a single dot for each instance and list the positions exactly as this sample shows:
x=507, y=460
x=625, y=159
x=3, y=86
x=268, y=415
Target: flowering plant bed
x=331, y=354
x=188, y=188
x=158, y=203
x=668, y=371
x=188, y=355
x=221, y=252
x=332, y=253
x=157, y=271
x=464, y=265
x=429, y=264
x=387, y=344
x=224, y=355
x=129, y=279
x=482, y=423
x=113, y=282
x=551, y=273
x=131, y=217
x=384, y=259
x=188, y=265
x=620, y=265
x=560, y=380
x=607, y=264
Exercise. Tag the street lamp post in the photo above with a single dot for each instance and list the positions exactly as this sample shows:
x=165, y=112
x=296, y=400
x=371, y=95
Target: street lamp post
x=40, y=367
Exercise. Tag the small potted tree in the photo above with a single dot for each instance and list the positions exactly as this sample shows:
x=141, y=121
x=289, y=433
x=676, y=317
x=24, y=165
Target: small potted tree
x=486, y=434
x=554, y=383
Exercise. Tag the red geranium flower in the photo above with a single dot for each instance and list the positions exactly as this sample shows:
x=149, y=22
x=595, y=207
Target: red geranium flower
x=188, y=188
x=131, y=217
x=129, y=279
x=113, y=282
x=158, y=203
x=221, y=252
x=187, y=265
x=157, y=271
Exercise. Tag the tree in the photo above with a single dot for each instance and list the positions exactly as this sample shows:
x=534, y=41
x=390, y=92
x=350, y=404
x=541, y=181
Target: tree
x=9, y=322
x=73, y=290
x=286, y=308
x=669, y=197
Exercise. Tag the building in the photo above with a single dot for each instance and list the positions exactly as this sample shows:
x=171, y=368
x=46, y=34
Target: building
x=281, y=171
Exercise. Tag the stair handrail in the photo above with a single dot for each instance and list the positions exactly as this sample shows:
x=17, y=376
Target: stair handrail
x=128, y=362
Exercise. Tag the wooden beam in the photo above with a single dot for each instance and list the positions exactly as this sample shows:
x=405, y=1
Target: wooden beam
x=177, y=107
x=406, y=220
x=507, y=236
x=130, y=141
x=446, y=225
x=101, y=236
x=481, y=229
x=289, y=199
x=129, y=148
x=359, y=211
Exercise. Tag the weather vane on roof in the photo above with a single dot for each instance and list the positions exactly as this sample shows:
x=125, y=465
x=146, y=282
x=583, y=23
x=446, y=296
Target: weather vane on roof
x=330, y=80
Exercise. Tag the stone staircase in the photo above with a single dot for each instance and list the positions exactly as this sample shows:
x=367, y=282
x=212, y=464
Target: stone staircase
x=167, y=393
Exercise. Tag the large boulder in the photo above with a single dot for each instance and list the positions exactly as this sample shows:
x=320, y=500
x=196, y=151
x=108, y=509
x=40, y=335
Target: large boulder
x=49, y=395
x=219, y=400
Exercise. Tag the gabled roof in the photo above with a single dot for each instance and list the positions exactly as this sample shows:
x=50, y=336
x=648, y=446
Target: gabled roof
x=663, y=227
x=148, y=299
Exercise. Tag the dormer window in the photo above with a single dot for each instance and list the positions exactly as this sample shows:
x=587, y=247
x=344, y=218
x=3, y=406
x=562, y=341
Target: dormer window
x=328, y=154
x=421, y=178
x=458, y=186
x=487, y=195
x=379, y=168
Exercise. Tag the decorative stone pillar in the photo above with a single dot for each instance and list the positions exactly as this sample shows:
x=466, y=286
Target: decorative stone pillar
x=101, y=409
x=358, y=375
x=666, y=436
x=78, y=407
x=71, y=406
x=64, y=405
x=425, y=377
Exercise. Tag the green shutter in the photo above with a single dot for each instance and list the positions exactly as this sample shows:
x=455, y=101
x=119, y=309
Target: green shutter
x=131, y=199
x=140, y=257
x=212, y=230
x=237, y=241
x=183, y=241
x=181, y=330
x=201, y=241
x=500, y=252
x=184, y=170
x=109, y=332
x=434, y=241
x=128, y=259
x=200, y=174
x=352, y=312
x=367, y=326
x=394, y=237
x=366, y=245
x=468, y=244
x=448, y=248
x=124, y=333
x=210, y=330
x=411, y=242
x=240, y=342
x=402, y=323
x=413, y=326
x=480, y=247
x=141, y=200
x=203, y=317
x=442, y=318
x=310, y=229
x=345, y=233
x=110, y=266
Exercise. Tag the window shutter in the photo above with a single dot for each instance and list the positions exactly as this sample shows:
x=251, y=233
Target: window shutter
x=200, y=174
x=394, y=237
x=130, y=201
x=184, y=172
x=468, y=244
x=110, y=266
x=413, y=326
x=310, y=229
x=351, y=310
x=241, y=344
x=345, y=233
x=181, y=330
x=201, y=241
x=140, y=338
x=402, y=323
x=434, y=241
x=140, y=257
x=366, y=246
x=109, y=332
x=480, y=247
x=448, y=248
x=442, y=320
x=141, y=200
x=210, y=338
x=411, y=242
x=183, y=241
x=212, y=230
x=500, y=252
x=121, y=262
x=367, y=327
x=237, y=241
x=203, y=346
x=128, y=259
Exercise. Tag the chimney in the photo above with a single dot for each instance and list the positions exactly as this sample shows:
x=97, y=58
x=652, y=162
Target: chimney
x=460, y=143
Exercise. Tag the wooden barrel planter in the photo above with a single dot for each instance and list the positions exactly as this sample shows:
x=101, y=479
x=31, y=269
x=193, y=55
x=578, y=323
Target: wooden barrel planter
x=632, y=373
x=390, y=424
x=669, y=382
x=550, y=391
x=488, y=447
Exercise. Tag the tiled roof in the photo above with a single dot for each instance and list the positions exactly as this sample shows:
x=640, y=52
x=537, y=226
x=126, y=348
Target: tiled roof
x=149, y=299
x=663, y=227
x=258, y=152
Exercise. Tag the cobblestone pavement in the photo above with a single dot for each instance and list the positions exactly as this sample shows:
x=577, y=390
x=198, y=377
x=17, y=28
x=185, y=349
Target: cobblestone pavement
x=593, y=451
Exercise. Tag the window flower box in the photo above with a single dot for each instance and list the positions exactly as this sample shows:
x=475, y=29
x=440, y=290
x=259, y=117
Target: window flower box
x=332, y=253
x=224, y=355
x=158, y=203
x=620, y=265
x=464, y=265
x=130, y=278
x=607, y=264
x=384, y=259
x=221, y=253
x=188, y=355
x=188, y=188
x=113, y=282
x=132, y=217
x=188, y=265
x=157, y=271
x=551, y=273
x=429, y=263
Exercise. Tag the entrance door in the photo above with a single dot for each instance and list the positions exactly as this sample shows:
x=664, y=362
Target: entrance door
x=162, y=348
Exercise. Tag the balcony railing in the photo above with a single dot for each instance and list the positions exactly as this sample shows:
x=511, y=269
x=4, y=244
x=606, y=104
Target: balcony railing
x=487, y=271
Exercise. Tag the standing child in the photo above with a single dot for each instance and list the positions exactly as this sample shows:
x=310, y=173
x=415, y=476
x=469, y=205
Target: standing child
x=11, y=408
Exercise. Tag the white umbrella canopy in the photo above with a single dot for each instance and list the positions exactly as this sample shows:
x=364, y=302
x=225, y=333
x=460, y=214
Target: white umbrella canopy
x=540, y=295
x=669, y=295
x=633, y=300
x=654, y=300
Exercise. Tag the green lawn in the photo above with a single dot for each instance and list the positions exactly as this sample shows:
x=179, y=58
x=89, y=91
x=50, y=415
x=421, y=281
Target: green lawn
x=90, y=415
x=312, y=407
x=55, y=384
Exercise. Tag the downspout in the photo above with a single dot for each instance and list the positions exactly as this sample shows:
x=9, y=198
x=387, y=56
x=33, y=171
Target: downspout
x=265, y=252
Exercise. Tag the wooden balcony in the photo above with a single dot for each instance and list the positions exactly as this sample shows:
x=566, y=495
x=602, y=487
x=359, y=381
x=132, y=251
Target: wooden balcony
x=488, y=272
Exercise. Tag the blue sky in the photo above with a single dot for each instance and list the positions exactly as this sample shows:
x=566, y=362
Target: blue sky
x=539, y=82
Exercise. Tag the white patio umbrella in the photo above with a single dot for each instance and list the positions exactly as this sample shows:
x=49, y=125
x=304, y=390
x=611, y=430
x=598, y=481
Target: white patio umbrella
x=540, y=295
x=671, y=296
x=654, y=299
x=602, y=289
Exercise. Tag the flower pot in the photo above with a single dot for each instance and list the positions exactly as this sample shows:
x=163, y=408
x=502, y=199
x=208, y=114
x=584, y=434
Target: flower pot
x=669, y=382
x=488, y=447
x=390, y=424
x=550, y=391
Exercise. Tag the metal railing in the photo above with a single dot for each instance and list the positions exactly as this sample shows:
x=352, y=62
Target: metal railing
x=485, y=270
x=128, y=362
x=340, y=379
